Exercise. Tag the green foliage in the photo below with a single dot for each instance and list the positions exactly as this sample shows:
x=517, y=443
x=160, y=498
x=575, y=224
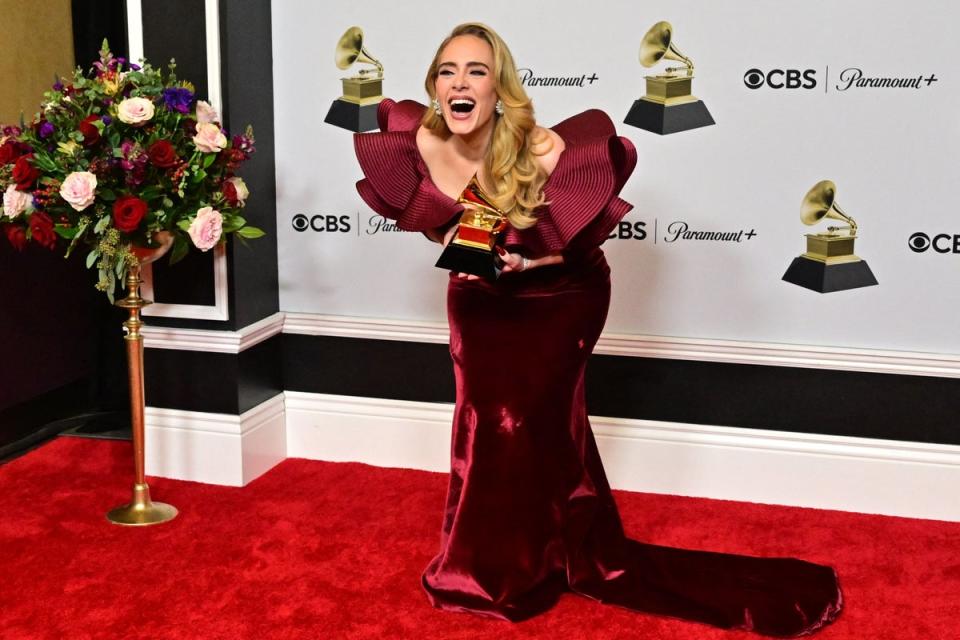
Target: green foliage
x=96, y=122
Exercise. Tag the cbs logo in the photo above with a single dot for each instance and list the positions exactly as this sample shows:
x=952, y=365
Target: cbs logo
x=318, y=222
x=781, y=79
x=941, y=243
x=629, y=231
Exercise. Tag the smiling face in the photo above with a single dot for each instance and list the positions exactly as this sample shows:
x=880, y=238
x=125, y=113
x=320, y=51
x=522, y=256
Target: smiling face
x=465, y=85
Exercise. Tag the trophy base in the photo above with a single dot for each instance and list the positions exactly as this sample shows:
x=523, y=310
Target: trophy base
x=826, y=278
x=479, y=262
x=664, y=119
x=353, y=117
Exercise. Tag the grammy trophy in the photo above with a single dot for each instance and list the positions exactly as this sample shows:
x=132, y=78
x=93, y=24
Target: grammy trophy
x=472, y=248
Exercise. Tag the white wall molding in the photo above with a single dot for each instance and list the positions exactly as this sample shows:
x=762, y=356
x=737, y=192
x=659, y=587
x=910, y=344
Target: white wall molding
x=212, y=341
x=725, y=351
x=312, y=324
x=907, y=479
x=219, y=310
x=808, y=470
x=386, y=433
x=215, y=448
x=134, y=31
x=212, y=22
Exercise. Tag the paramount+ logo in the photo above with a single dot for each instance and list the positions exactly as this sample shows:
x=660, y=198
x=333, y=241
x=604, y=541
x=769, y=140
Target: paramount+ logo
x=940, y=243
x=781, y=78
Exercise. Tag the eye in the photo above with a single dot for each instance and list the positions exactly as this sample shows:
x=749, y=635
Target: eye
x=478, y=72
x=445, y=72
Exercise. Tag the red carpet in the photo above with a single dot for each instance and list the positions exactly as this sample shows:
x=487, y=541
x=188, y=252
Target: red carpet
x=333, y=550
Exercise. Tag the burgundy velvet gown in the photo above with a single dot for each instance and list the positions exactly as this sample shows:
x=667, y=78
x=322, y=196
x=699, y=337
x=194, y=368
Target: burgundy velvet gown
x=529, y=513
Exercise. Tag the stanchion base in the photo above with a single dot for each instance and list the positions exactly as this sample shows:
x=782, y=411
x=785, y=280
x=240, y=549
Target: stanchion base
x=142, y=511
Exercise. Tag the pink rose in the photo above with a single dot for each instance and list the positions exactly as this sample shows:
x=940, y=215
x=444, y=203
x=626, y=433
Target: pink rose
x=206, y=113
x=78, y=189
x=15, y=202
x=135, y=111
x=235, y=192
x=209, y=138
x=206, y=228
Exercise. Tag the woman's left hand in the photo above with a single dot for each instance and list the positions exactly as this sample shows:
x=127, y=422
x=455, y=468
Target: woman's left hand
x=512, y=261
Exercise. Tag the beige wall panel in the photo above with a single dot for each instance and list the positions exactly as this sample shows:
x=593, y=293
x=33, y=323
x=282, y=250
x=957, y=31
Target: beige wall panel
x=37, y=44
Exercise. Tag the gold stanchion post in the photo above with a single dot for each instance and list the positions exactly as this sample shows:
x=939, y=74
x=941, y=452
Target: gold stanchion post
x=141, y=511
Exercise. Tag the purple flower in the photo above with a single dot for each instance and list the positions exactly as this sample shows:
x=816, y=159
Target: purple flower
x=134, y=67
x=244, y=144
x=46, y=130
x=133, y=163
x=58, y=86
x=178, y=99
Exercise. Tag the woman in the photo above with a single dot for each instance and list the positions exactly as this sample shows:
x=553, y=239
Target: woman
x=529, y=511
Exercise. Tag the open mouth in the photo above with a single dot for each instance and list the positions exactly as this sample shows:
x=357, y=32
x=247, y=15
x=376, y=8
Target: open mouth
x=461, y=105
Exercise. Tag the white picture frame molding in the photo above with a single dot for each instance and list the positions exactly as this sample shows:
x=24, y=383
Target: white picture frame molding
x=219, y=310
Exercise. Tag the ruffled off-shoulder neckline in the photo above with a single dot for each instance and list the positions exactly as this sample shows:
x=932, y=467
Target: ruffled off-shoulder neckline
x=580, y=192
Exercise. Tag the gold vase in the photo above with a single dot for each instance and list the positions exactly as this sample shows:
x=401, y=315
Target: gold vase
x=141, y=511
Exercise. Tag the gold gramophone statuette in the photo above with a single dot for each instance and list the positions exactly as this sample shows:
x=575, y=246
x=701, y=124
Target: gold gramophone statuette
x=673, y=86
x=836, y=245
x=829, y=263
x=668, y=106
x=356, y=109
x=472, y=248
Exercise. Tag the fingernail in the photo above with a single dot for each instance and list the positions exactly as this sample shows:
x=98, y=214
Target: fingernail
x=501, y=250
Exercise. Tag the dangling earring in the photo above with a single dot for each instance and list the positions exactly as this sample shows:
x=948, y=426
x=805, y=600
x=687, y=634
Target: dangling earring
x=499, y=107
x=436, y=107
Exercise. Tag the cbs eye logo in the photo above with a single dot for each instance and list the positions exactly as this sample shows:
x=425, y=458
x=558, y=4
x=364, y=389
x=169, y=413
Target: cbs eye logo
x=302, y=222
x=781, y=79
x=941, y=243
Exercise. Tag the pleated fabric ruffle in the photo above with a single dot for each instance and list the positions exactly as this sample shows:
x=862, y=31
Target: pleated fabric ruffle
x=582, y=205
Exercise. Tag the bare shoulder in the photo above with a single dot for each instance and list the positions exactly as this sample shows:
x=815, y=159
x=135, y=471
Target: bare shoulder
x=547, y=147
x=429, y=144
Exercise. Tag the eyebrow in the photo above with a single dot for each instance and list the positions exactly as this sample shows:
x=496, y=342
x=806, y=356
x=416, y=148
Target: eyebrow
x=469, y=64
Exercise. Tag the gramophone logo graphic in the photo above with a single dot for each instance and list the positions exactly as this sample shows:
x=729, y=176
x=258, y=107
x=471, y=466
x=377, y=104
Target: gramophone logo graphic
x=829, y=263
x=356, y=109
x=668, y=106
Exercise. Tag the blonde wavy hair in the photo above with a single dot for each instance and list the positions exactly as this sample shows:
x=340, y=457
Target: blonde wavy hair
x=511, y=165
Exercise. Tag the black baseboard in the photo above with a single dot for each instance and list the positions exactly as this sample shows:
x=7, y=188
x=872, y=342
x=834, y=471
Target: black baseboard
x=213, y=382
x=839, y=403
x=30, y=423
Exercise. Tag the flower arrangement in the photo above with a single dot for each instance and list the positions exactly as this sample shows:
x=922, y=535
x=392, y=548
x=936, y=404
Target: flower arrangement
x=116, y=157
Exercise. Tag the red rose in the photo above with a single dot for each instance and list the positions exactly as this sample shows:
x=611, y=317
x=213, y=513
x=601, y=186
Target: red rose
x=41, y=230
x=16, y=235
x=24, y=173
x=230, y=193
x=91, y=135
x=9, y=152
x=128, y=211
x=162, y=154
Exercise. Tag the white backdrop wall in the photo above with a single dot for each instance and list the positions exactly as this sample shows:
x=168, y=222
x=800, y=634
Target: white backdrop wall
x=891, y=151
